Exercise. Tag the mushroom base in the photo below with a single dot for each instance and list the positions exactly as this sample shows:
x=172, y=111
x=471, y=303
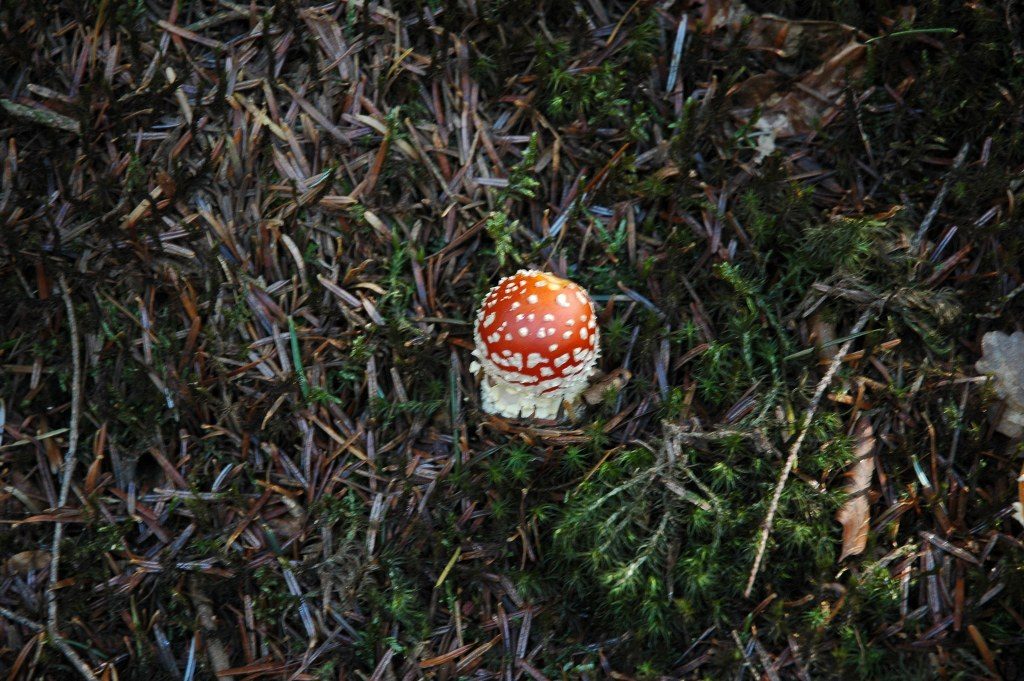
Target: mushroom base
x=515, y=401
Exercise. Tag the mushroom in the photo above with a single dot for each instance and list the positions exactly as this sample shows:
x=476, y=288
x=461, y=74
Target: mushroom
x=537, y=343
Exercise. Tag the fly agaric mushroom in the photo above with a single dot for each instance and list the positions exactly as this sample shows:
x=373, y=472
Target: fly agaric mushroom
x=537, y=343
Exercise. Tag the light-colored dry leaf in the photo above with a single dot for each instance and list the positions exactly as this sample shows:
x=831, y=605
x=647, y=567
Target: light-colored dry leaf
x=855, y=513
x=1003, y=359
x=768, y=126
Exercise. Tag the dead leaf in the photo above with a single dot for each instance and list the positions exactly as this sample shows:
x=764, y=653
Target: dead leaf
x=836, y=48
x=25, y=562
x=854, y=515
x=614, y=380
x=285, y=528
x=755, y=90
x=1003, y=358
x=823, y=335
x=818, y=91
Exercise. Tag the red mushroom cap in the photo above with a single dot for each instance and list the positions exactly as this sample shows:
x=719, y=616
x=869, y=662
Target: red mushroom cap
x=535, y=329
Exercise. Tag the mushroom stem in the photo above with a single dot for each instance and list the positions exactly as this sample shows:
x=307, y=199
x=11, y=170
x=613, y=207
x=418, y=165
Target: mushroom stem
x=513, y=401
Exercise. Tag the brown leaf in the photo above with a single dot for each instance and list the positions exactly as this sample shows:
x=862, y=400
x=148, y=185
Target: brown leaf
x=26, y=561
x=819, y=90
x=614, y=380
x=836, y=49
x=823, y=335
x=854, y=515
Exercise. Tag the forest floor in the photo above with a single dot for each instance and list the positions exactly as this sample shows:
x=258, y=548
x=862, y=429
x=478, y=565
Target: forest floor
x=241, y=248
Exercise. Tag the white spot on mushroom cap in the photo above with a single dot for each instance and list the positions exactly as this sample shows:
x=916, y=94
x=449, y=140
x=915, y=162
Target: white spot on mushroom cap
x=567, y=335
x=523, y=331
x=562, y=300
x=546, y=371
x=583, y=334
x=552, y=347
x=561, y=359
x=532, y=299
x=516, y=305
x=533, y=359
x=549, y=317
x=488, y=320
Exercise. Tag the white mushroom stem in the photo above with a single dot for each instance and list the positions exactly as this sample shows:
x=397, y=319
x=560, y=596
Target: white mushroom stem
x=515, y=401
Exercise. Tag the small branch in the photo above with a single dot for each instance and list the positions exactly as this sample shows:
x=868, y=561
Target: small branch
x=76, y=662
x=23, y=621
x=794, y=449
x=70, y=458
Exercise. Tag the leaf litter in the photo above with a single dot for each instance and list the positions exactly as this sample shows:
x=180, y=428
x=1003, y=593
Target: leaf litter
x=276, y=218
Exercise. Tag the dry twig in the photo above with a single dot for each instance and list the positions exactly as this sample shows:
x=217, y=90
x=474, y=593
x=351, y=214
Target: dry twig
x=794, y=450
x=70, y=457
